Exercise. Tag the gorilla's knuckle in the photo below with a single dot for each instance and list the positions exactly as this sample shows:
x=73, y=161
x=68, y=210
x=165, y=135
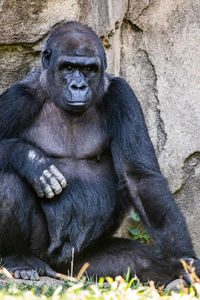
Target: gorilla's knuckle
x=53, y=168
x=46, y=173
x=42, y=180
x=47, y=188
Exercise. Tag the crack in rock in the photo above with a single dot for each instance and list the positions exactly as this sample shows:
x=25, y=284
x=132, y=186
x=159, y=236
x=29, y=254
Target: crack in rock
x=190, y=163
x=161, y=133
x=134, y=12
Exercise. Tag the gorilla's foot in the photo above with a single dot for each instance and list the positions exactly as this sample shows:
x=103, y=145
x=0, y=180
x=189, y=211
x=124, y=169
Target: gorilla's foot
x=27, y=267
x=26, y=274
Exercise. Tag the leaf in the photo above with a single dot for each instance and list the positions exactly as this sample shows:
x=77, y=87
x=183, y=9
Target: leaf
x=128, y=274
x=110, y=280
x=146, y=236
x=130, y=282
x=135, y=217
x=136, y=237
x=134, y=231
x=101, y=282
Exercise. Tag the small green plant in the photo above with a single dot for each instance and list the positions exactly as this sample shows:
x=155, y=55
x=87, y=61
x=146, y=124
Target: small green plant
x=138, y=232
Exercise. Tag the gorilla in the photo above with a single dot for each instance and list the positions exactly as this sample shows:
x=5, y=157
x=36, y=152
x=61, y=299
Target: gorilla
x=75, y=156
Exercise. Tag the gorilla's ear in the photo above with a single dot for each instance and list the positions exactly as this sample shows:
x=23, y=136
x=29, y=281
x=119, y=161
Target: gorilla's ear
x=46, y=55
x=105, y=64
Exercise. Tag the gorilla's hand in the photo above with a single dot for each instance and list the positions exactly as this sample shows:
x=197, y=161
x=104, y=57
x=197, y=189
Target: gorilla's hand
x=50, y=183
x=34, y=166
x=38, y=170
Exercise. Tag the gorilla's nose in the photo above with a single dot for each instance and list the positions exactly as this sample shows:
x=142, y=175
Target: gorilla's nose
x=78, y=86
x=79, y=91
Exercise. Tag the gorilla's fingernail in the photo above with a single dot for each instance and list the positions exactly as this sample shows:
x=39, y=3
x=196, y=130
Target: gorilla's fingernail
x=58, y=192
x=50, y=195
x=63, y=183
x=57, y=174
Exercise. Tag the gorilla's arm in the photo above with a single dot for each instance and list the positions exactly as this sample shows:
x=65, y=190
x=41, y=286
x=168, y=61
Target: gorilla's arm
x=33, y=165
x=139, y=174
x=19, y=106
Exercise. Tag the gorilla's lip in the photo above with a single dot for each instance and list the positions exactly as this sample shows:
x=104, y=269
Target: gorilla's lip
x=78, y=103
x=77, y=106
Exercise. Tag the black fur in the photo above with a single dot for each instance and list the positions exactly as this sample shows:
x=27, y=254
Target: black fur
x=101, y=146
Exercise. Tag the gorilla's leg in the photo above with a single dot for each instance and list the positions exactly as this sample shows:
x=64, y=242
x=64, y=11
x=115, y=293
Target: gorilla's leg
x=112, y=257
x=23, y=235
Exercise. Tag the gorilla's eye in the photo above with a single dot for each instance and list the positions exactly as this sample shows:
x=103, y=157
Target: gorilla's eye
x=90, y=69
x=68, y=68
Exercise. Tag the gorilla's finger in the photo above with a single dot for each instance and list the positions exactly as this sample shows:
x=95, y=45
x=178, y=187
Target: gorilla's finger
x=36, y=275
x=37, y=187
x=17, y=274
x=33, y=275
x=58, y=176
x=24, y=275
x=55, y=185
x=47, y=188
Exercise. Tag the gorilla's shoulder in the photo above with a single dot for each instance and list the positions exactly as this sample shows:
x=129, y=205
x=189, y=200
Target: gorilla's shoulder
x=119, y=91
x=33, y=79
x=31, y=87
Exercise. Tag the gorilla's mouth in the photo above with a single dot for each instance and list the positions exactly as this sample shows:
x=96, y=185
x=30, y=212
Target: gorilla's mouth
x=77, y=105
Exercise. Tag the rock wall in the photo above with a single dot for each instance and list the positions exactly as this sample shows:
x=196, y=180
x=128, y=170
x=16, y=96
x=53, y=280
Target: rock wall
x=155, y=45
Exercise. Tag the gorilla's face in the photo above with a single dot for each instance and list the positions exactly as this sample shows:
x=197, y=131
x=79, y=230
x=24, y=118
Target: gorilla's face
x=75, y=72
x=77, y=76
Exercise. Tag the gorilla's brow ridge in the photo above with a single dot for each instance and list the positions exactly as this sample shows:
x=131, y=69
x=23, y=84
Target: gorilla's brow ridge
x=79, y=60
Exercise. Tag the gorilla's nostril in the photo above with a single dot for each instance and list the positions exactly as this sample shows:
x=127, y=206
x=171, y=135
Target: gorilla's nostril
x=82, y=87
x=77, y=87
x=74, y=87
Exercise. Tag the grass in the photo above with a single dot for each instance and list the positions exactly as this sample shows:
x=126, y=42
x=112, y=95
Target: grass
x=108, y=289
x=86, y=288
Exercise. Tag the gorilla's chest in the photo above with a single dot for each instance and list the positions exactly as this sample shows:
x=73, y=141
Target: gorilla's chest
x=61, y=136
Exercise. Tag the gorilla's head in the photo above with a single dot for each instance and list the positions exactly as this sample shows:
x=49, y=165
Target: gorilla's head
x=74, y=61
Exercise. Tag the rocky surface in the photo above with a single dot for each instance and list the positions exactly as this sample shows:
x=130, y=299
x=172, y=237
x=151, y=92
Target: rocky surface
x=42, y=283
x=154, y=44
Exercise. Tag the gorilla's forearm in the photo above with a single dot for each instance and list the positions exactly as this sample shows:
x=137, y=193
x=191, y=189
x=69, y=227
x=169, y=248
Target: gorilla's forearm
x=153, y=200
x=19, y=156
